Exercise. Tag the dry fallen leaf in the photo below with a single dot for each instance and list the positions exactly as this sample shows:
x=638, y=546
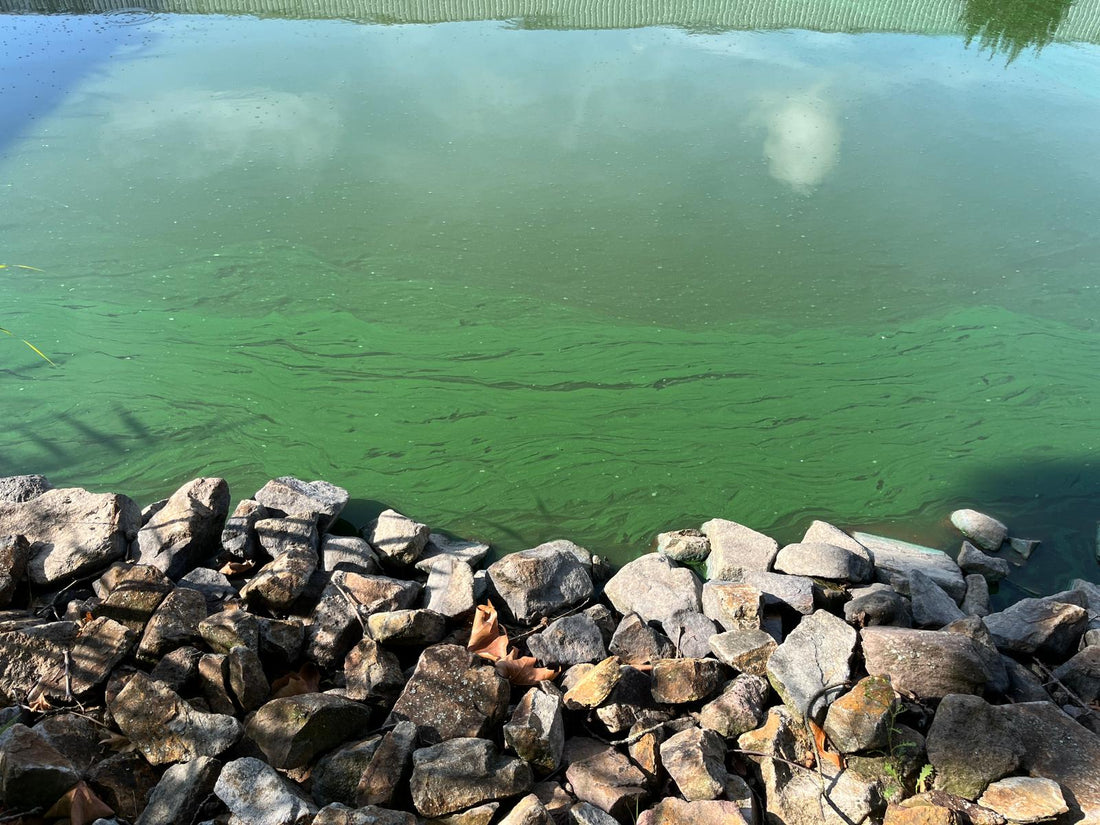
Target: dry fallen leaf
x=237, y=568
x=523, y=670
x=819, y=741
x=80, y=805
x=118, y=743
x=488, y=639
x=307, y=679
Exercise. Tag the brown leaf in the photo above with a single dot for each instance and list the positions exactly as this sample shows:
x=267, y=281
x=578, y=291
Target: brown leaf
x=523, y=670
x=80, y=805
x=820, y=743
x=307, y=679
x=118, y=743
x=237, y=568
x=488, y=639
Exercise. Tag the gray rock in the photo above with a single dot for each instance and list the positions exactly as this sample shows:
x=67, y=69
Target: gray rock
x=528, y=811
x=179, y=669
x=795, y=592
x=655, y=588
x=691, y=632
x=335, y=777
x=257, y=795
x=821, y=532
x=973, y=628
x=225, y=630
x=472, y=553
x=680, y=681
x=1023, y=685
x=636, y=643
x=609, y=780
x=150, y=510
x=349, y=553
x=893, y=557
x=985, y=531
x=238, y=537
x=288, y=534
x=543, y=581
x=214, y=684
x=537, y=732
x=180, y=794
x=317, y=500
x=684, y=545
x=746, y=650
x=793, y=795
x=976, y=602
x=1025, y=799
x=462, y=772
x=136, y=592
x=733, y=605
x=673, y=811
x=450, y=587
x=187, y=530
x=281, y=640
x=880, y=607
x=1043, y=627
x=1023, y=547
x=17, y=489
x=568, y=641
x=292, y=730
x=214, y=586
x=405, y=628
x=1081, y=674
x=824, y=561
x=293, y=544
x=630, y=700
x=28, y=652
x=338, y=814
x=970, y=744
x=735, y=548
x=100, y=645
x=449, y=696
x=246, y=678
x=585, y=813
x=742, y=706
x=71, y=532
x=32, y=772
x=165, y=728
x=175, y=623
x=695, y=759
x=860, y=719
x=373, y=673
x=388, y=766
x=398, y=540
x=973, y=560
x=14, y=554
x=931, y=606
x=925, y=663
x=75, y=736
x=812, y=664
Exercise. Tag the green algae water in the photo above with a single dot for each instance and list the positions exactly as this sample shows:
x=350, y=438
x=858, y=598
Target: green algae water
x=563, y=277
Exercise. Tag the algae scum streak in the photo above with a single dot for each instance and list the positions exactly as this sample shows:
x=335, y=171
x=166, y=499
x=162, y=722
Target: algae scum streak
x=583, y=269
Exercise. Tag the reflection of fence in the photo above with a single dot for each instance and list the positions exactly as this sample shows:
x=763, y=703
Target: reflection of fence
x=1081, y=22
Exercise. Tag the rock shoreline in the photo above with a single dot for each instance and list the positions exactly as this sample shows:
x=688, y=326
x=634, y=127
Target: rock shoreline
x=186, y=664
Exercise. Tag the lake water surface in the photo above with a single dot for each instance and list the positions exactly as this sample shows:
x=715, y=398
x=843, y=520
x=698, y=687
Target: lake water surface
x=527, y=282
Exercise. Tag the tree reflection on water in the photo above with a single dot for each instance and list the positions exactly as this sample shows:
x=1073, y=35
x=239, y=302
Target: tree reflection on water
x=1010, y=26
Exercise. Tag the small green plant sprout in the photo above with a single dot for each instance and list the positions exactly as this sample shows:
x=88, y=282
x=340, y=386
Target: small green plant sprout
x=924, y=778
x=12, y=334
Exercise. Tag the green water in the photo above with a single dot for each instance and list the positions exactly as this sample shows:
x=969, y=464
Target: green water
x=527, y=284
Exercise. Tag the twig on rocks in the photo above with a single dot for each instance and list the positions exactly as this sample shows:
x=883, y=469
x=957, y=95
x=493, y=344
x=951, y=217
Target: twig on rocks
x=1077, y=700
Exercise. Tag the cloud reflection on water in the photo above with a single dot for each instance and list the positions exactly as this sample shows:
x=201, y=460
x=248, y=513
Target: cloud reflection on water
x=802, y=144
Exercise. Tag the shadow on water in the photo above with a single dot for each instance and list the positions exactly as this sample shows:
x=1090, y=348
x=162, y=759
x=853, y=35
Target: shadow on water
x=1057, y=503
x=1011, y=26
